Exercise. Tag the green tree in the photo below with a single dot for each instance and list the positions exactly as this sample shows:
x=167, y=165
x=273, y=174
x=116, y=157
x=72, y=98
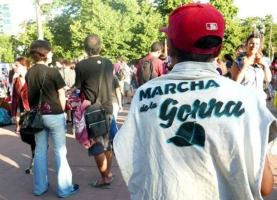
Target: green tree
x=7, y=53
x=232, y=27
x=127, y=27
x=146, y=30
x=165, y=7
x=273, y=46
x=29, y=35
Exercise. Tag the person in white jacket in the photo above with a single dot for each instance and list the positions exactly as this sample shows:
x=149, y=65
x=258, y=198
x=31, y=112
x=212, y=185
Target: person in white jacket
x=193, y=134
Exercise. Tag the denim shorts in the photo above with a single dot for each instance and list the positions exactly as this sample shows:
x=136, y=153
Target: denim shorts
x=127, y=86
x=101, y=143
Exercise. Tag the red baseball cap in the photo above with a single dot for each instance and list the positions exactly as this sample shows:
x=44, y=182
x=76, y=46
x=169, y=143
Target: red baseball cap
x=190, y=22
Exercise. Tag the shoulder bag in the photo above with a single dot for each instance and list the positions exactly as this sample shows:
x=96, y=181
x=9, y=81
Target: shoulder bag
x=31, y=121
x=95, y=114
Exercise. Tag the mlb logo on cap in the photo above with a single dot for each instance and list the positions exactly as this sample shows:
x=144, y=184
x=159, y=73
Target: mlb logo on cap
x=211, y=26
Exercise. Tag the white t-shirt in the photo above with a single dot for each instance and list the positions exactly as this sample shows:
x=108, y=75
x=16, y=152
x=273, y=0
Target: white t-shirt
x=129, y=72
x=193, y=134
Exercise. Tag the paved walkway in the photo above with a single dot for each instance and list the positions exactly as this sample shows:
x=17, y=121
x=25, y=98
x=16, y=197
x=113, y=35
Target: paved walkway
x=15, y=158
x=16, y=185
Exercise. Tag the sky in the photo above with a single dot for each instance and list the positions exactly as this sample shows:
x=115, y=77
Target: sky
x=247, y=8
x=22, y=10
x=252, y=8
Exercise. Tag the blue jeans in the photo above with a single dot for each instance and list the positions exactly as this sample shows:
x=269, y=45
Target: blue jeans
x=55, y=126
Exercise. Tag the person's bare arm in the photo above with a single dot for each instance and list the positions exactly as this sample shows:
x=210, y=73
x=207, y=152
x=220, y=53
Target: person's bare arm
x=71, y=90
x=267, y=179
x=267, y=71
x=62, y=98
x=118, y=95
x=234, y=71
x=137, y=80
x=238, y=74
x=271, y=67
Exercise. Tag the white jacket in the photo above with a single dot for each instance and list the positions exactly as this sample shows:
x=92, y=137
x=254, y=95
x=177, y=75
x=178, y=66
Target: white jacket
x=193, y=134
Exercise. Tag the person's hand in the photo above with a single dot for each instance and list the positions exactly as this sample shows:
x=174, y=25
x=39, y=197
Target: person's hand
x=120, y=109
x=258, y=58
x=68, y=93
x=13, y=119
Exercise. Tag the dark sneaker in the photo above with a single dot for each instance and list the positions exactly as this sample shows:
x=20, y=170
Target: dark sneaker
x=73, y=191
x=29, y=170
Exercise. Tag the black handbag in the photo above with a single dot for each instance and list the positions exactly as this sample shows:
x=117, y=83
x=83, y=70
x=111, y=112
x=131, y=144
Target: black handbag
x=95, y=114
x=31, y=121
x=95, y=118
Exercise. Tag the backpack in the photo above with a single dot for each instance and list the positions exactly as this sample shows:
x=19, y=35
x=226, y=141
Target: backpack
x=5, y=118
x=146, y=71
x=121, y=73
x=239, y=63
x=239, y=60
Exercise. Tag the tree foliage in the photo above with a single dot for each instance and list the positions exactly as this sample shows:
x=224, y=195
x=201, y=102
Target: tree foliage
x=165, y=7
x=7, y=52
x=232, y=25
x=126, y=27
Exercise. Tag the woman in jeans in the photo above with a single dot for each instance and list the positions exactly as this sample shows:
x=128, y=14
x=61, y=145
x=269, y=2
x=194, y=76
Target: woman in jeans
x=52, y=106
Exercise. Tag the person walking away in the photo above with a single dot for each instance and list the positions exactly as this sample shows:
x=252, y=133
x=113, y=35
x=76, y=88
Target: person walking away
x=53, y=106
x=134, y=85
x=117, y=106
x=116, y=96
x=191, y=134
x=20, y=104
x=12, y=75
x=68, y=76
x=273, y=68
x=127, y=81
x=151, y=59
x=118, y=64
x=87, y=79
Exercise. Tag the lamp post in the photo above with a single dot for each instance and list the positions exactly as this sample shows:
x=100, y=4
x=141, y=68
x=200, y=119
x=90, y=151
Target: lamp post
x=38, y=17
x=38, y=4
x=269, y=43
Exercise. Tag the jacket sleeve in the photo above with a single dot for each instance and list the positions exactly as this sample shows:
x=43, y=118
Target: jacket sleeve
x=14, y=98
x=24, y=97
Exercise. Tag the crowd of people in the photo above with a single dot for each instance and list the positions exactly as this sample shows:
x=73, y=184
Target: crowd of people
x=188, y=121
